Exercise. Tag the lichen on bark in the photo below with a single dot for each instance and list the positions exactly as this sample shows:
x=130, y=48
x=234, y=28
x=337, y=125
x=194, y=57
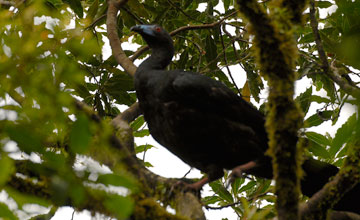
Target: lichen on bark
x=276, y=52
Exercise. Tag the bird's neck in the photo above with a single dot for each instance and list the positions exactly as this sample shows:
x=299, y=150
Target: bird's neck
x=159, y=59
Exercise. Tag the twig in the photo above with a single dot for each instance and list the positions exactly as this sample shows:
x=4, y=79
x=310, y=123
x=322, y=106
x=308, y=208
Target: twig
x=72, y=216
x=128, y=115
x=16, y=96
x=133, y=15
x=226, y=63
x=145, y=150
x=187, y=172
x=183, y=12
x=221, y=207
x=319, y=45
x=92, y=25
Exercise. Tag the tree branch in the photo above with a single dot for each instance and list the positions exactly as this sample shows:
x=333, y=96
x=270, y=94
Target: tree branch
x=117, y=51
x=276, y=52
x=330, y=71
x=95, y=198
x=122, y=152
x=6, y=3
x=335, y=215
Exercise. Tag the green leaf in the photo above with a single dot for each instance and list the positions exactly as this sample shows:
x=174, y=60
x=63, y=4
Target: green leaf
x=323, y=4
x=343, y=134
x=210, y=199
x=265, y=185
x=98, y=105
x=307, y=38
x=77, y=193
x=25, y=137
x=122, y=97
x=76, y=6
x=318, y=150
x=23, y=198
x=218, y=188
x=82, y=91
x=317, y=138
x=80, y=135
x=319, y=99
x=148, y=164
x=184, y=58
x=304, y=100
x=138, y=8
x=7, y=169
x=235, y=186
x=142, y=148
x=118, y=87
x=117, y=180
x=211, y=51
x=329, y=87
x=55, y=3
x=343, y=151
x=210, y=8
x=137, y=123
x=6, y=213
x=121, y=206
x=254, y=81
x=93, y=10
x=318, y=118
x=91, y=87
x=141, y=133
x=226, y=4
x=248, y=186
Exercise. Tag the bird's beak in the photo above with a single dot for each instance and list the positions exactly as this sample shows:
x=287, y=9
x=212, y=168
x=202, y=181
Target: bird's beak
x=143, y=29
x=136, y=28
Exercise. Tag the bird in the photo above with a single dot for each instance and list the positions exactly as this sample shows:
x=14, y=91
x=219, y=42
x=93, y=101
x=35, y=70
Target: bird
x=207, y=125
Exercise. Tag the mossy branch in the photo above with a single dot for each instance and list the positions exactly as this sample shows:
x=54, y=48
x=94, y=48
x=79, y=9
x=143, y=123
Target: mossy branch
x=275, y=51
x=152, y=186
x=44, y=188
x=294, y=9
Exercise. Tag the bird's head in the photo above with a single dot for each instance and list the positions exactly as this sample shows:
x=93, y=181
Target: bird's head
x=154, y=35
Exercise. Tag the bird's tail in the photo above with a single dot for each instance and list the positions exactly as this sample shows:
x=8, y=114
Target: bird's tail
x=317, y=174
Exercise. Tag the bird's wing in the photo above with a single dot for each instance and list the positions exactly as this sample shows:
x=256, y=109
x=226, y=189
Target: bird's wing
x=237, y=117
x=204, y=92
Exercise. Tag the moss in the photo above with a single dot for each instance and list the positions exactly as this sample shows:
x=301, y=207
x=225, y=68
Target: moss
x=293, y=8
x=148, y=209
x=276, y=52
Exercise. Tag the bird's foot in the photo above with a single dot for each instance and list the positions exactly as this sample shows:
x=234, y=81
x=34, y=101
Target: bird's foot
x=237, y=172
x=197, y=186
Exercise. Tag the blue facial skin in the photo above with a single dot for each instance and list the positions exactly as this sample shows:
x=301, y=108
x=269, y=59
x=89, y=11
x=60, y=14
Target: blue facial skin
x=147, y=29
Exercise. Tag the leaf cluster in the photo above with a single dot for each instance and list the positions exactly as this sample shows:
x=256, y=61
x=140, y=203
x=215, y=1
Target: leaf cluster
x=53, y=52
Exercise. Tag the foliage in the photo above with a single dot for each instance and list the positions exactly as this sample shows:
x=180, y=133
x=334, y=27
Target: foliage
x=52, y=52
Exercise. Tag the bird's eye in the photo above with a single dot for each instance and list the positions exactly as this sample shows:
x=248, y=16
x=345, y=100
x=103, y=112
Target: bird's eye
x=158, y=29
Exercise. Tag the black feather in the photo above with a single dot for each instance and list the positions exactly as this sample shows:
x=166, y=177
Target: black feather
x=207, y=125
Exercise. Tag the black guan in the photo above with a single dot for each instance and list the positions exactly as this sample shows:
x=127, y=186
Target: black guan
x=207, y=125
